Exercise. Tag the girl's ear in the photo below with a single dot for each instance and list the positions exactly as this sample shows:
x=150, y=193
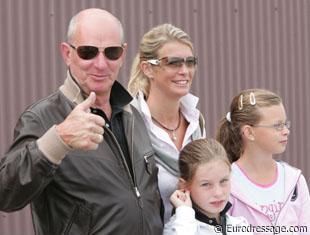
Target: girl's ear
x=248, y=132
x=147, y=69
x=183, y=185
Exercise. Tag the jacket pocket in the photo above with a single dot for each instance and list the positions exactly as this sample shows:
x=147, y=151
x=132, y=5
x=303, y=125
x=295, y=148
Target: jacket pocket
x=149, y=160
x=79, y=223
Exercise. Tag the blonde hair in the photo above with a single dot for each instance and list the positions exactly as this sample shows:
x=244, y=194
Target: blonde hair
x=244, y=110
x=199, y=152
x=151, y=42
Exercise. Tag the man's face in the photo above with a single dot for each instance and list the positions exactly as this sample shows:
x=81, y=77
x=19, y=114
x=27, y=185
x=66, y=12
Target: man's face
x=99, y=73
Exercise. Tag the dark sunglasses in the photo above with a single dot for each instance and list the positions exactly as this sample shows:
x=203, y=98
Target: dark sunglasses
x=175, y=62
x=90, y=52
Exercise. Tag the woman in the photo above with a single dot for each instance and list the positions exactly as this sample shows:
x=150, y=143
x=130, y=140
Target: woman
x=161, y=78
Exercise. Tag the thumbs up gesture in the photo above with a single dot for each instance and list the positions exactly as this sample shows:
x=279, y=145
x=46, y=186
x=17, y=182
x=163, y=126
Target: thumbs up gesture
x=81, y=129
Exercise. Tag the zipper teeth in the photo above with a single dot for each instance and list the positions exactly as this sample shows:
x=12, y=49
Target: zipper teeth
x=122, y=156
x=131, y=155
x=288, y=198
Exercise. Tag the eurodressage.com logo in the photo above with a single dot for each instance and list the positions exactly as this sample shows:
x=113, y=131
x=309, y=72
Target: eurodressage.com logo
x=261, y=229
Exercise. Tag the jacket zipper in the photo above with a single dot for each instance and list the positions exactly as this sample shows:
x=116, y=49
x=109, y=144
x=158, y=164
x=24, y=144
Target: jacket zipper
x=140, y=203
x=132, y=177
x=263, y=213
x=132, y=180
x=287, y=199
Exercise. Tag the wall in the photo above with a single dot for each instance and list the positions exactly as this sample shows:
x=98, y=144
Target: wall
x=240, y=44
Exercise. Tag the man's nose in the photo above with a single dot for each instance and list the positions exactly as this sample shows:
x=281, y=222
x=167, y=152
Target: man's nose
x=101, y=61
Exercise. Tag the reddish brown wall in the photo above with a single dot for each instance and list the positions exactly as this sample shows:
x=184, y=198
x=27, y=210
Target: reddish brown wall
x=240, y=44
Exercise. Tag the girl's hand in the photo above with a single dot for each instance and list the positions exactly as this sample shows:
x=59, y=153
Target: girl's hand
x=181, y=198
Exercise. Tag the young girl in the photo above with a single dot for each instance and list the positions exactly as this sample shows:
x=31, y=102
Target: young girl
x=268, y=193
x=202, y=201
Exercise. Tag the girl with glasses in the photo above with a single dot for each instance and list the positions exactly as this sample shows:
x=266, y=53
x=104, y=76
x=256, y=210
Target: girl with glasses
x=160, y=81
x=202, y=199
x=266, y=192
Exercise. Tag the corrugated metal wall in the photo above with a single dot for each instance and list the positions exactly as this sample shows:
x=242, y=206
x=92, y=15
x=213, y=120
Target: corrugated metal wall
x=240, y=44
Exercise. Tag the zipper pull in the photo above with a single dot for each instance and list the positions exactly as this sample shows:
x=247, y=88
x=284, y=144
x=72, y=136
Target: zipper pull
x=137, y=192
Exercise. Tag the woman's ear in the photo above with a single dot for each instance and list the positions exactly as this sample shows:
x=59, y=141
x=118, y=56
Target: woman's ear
x=248, y=132
x=147, y=69
x=183, y=185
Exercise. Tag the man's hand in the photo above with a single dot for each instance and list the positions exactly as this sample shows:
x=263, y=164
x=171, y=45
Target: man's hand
x=81, y=129
x=180, y=198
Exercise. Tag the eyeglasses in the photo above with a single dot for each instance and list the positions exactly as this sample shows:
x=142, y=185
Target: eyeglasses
x=277, y=126
x=90, y=52
x=175, y=62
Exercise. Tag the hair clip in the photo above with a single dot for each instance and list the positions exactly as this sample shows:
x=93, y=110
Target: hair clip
x=252, y=98
x=228, y=117
x=240, y=102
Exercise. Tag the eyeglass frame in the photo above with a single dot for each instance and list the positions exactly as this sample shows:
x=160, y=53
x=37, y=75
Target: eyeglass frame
x=100, y=50
x=277, y=126
x=156, y=62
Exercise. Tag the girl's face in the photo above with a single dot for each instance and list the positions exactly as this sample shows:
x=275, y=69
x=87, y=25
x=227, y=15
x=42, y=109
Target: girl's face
x=271, y=133
x=210, y=187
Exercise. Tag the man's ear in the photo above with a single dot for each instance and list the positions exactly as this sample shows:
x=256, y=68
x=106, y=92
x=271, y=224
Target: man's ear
x=183, y=185
x=248, y=132
x=125, y=46
x=147, y=69
x=66, y=53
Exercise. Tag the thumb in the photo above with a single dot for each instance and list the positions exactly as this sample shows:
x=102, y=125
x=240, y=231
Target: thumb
x=86, y=104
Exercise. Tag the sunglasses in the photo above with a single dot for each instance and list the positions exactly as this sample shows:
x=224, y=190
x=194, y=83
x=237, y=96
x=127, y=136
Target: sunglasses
x=90, y=52
x=175, y=62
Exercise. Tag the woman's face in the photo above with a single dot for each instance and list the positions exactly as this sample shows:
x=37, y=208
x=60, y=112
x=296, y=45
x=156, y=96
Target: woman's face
x=171, y=77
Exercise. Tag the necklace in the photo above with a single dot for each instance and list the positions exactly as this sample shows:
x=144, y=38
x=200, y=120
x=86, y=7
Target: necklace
x=173, y=131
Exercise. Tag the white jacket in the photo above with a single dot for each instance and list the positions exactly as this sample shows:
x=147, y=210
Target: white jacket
x=183, y=222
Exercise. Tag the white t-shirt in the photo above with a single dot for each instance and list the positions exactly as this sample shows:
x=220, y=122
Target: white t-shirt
x=269, y=198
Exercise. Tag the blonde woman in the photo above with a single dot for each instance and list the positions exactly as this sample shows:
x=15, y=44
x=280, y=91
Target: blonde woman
x=161, y=78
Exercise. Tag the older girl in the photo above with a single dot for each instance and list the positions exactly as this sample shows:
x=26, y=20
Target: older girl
x=269, y=193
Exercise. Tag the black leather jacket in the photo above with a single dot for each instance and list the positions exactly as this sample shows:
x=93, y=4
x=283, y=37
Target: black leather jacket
x=90, y=192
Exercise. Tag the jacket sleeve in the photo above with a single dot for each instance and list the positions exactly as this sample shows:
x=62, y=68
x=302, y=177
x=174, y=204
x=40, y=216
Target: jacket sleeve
x=182, y=223
x=304, y=215
x=24, y=170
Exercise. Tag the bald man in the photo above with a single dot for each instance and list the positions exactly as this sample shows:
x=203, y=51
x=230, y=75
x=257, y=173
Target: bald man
x=82, y=156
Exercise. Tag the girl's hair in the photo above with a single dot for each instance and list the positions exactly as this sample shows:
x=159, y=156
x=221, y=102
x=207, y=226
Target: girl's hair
x=151, y=42
x=199, y=152
x=244, y=110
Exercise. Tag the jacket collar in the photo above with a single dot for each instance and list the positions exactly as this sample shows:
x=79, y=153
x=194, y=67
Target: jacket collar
x=212, y=221
x=119, y=96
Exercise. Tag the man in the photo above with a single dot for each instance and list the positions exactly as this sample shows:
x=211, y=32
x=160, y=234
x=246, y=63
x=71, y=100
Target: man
x=82, y=156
